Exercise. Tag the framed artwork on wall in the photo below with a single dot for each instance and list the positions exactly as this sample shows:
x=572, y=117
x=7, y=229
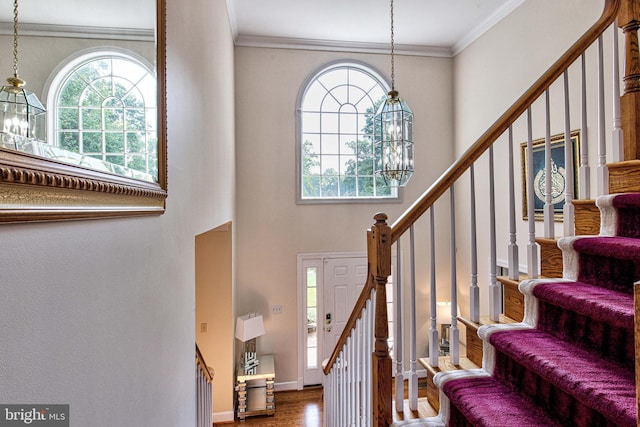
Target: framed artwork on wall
x=558, y=174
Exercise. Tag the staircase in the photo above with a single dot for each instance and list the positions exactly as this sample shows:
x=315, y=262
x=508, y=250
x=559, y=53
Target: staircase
x=553, y=345
x=571, y=361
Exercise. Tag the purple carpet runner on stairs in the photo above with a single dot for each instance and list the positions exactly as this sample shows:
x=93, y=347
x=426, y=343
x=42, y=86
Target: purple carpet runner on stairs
x=571, y=363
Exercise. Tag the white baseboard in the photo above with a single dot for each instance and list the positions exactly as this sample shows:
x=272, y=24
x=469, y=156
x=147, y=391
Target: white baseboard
x=223, y=417
x=291, y=385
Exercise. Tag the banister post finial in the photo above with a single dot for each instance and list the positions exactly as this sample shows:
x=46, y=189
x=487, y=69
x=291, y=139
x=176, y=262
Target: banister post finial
x=629, y=21
x=379, y=252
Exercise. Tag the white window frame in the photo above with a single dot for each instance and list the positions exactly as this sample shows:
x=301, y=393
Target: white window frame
x=396, y=196
x=58, y=77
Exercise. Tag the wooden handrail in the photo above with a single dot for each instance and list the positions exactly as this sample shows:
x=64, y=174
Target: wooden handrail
x=356, y=313
x=381, y=236
x=203, y=365
x=460, y=166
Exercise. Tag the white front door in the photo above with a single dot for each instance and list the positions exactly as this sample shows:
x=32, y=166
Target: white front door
x=329, y=286
x=344, y=279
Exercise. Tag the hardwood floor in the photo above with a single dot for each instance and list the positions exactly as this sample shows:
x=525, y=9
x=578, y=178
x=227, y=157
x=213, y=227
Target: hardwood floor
x=304, y=409
x=293, y=408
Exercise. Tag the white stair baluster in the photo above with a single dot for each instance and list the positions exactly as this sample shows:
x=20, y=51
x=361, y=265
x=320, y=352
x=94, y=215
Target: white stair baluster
x=568, y=210
x=454, y=334
x=603, y=171
x=514, y=261
x=548, y=177
x=433, y=309
x=617, y=138
x=495, y=294
x=474, y=290
x=397, y=336
x=532, y=246
x=413, y=376
x=585, y=169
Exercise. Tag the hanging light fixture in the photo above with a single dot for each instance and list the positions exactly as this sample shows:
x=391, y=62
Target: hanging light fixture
x=21, y=113
x=393, y=134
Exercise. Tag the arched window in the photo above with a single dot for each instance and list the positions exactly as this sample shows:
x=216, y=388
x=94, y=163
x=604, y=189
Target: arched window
x=103, y=105
x=335, y=134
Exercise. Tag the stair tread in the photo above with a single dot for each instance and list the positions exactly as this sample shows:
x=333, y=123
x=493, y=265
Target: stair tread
x=596, y=382
x=626, y=248
x=485, y=320
x=445, y=365
x=485, y=401
x=629, y=200
x=602, y=304
x=549, y=240
x=506, y=280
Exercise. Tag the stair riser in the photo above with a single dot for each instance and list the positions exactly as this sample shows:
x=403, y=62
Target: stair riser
x=513, y=302
x=609, y=273
x=556, y=402
x=628, y=223
x=587, y=218
x=613, y=343
x=551, y=257
x=433, y=394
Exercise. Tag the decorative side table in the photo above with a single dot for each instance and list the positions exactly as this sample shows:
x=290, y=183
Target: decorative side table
x=255, y=391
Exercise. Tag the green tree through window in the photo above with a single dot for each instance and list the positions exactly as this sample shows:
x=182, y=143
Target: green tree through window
x=105, y=108
x=337, y=111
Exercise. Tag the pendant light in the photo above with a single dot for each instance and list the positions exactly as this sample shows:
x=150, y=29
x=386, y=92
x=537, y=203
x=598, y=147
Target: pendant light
x=22, y=116
x=393, y=134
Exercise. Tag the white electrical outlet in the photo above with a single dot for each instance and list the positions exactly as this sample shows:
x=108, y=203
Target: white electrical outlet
x=276, y=309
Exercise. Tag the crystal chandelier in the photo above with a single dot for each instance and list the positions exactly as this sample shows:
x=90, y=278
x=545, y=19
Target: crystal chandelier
x=393, y=134
x=22, y=116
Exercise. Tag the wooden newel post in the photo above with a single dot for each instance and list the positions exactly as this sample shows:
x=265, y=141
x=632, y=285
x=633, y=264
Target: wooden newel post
x=379, y=248
x=629, y=21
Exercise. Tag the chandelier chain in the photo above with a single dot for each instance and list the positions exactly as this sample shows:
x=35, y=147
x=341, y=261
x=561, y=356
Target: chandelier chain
x=15, y=38
x=393, y=71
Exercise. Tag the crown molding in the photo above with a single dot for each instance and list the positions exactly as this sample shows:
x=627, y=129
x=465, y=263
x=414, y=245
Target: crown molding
x=485, y=26
x=339, y=46
x=77, y=31
x=363, y=47
x=233, y=18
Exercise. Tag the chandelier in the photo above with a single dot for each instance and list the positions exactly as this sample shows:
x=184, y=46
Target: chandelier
x=393, y=134
x=22, y=116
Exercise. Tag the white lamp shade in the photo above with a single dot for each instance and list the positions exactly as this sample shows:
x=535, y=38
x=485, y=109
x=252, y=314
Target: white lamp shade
x=249, y=326
x=444, y=312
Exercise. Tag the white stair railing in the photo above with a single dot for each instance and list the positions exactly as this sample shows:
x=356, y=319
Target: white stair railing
x=348, y=386
x=204, y=392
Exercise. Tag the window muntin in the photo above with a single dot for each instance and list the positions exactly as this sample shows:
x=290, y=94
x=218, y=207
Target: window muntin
x=106, y=108
x=336, y=135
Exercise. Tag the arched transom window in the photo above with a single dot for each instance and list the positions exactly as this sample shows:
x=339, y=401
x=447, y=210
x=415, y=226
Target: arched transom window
x=105, y=108
x=336, y=135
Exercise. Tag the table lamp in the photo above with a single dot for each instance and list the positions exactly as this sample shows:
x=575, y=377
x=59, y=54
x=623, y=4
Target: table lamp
x=444, y=320
x=248, y=328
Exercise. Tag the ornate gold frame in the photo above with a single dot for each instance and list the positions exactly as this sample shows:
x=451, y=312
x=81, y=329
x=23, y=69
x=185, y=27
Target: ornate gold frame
x=557, y=143
x=33, y=188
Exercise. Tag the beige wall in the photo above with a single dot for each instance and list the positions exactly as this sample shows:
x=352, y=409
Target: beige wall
x=489, y=76
x=214, y=307
x=40, y=56
x=271, y=228
x=100, y=314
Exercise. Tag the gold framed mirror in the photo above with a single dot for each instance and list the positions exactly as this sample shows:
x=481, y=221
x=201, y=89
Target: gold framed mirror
x=35, y=188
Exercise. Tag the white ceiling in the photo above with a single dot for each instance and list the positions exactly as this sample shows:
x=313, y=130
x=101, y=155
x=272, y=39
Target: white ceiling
x=134, y=14
x=440, y=27
x=446, y=26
